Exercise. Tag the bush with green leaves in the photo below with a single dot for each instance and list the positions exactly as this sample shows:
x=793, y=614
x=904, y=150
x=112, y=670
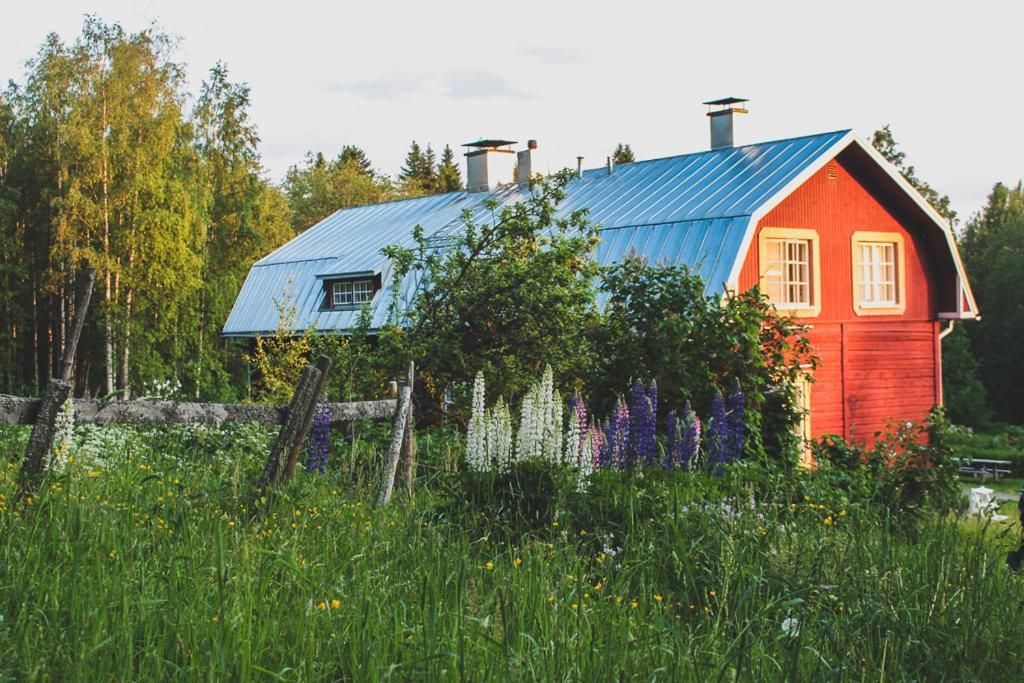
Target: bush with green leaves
x=908, y=470
x=659, y=323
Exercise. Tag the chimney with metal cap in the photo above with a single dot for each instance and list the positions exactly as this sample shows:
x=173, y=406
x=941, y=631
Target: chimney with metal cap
x=524, y=165
x=488, y=164
x=720, y=112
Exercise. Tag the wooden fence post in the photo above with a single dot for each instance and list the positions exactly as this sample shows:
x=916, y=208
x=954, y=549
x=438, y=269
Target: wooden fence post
x=398, y=426
x=407, y=464
x=57, y=390
x=323, y=364
x=39, y=442
x=293, y=432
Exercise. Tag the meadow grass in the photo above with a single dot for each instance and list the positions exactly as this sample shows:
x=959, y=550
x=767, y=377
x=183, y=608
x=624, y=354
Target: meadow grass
x=145, y=564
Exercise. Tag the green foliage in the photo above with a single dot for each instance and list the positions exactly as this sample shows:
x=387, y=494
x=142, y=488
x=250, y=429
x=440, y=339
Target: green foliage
x=963, y=392
x=278, y=359
x=623, y=154
x=993, y=251
x=659, y=323
x=909, y=470
x=449, y=178
x=693, y=581
x=318, y=188
x=506, y=296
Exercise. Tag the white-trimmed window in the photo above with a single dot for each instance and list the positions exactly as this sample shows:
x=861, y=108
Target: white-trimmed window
x=878, y=273
x=351, y=292
x=789, y=262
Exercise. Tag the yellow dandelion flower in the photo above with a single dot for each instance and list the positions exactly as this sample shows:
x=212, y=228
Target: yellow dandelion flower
x=618, y=599
x=634, y=604
x=657, y=597
x=828, y=521
x=335, y=603
x=322, y=606
x=489, y=566
x=574, y=605
x=551, y=599
x=517, y=562
x=712, y=593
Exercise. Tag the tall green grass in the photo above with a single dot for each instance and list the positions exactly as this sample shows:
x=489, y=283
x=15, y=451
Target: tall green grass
x=148, y=567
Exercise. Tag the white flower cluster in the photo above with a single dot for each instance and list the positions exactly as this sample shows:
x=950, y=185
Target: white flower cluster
x=540, y=423
x=489, y=436
x=64, y=431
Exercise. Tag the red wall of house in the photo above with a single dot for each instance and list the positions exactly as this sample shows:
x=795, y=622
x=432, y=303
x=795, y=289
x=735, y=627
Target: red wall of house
x=872, y=368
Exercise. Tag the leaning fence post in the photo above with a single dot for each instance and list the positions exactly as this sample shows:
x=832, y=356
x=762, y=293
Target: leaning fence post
x=39, y=442
x=323, y=364
x=398, y=425
x=292, y=430
x=57, y=390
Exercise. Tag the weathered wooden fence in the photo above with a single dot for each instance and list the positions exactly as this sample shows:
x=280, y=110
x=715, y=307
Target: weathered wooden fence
x=294, y=420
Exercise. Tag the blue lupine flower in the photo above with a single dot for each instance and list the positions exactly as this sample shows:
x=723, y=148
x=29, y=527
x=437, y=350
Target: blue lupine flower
x=319, y=441
x=671, y=440
x=689, y=439
x=737, y=424
x=717, y=434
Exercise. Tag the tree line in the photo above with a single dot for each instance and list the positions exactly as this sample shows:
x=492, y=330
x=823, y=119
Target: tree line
x=106, y=161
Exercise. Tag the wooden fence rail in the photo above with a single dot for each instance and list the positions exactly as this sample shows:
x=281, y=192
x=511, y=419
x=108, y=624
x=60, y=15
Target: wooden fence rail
x=18, y=410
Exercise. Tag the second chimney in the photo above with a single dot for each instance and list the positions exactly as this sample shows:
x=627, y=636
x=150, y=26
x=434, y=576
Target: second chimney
x=721, y=112
x=524, y=165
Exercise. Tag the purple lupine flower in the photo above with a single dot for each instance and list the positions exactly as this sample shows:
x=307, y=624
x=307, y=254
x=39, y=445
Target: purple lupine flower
x=736, y=405
x=319, y=441
x=689, y=439
x=597, y=440
x=717, y=434
x=646, y=444
x=636, y=413
x=616, y=438
x=671, y=440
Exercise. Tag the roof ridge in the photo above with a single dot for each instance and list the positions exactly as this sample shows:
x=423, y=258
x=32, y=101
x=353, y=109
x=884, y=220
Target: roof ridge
x=844, y=131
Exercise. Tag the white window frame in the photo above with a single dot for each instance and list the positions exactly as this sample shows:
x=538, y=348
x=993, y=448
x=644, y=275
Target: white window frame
x=793, y=272
x=877, y=273
x=351, y=293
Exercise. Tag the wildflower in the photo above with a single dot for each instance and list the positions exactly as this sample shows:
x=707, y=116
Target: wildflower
x=517, y=562
x=489, y=566
x=335, y=603
x=736, y=425
x=551, y=599
x=476, y=433
x=689, y=439
x=633, y=604
x=828, y=521
x=717, y=434
x=657, y=597
x=712, y=594
x=322, y=606
x=791, y=627
x=618, y=599
x=319, y=440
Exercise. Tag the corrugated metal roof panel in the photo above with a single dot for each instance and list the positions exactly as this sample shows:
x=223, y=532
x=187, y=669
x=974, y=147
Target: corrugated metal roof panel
x=690, y=209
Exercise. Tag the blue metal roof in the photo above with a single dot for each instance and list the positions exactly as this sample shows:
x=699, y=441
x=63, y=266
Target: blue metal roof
x=692, y=209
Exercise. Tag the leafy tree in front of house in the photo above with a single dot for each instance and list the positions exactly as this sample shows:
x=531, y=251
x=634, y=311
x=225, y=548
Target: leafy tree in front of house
x=505, y=295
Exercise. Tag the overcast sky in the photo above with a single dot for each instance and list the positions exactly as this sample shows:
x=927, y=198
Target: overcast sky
x=581, y=76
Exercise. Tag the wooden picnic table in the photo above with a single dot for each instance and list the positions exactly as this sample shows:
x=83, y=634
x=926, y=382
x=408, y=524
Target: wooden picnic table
x=985, y=467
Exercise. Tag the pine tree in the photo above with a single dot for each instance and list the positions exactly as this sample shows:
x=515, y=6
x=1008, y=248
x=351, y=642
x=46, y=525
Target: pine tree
x=418, y=173
x=623, y=154
x=448, y=177
x=356, y=158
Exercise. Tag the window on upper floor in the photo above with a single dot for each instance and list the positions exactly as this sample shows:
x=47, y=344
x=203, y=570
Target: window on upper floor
x=350, y=293
x=878, y=273
x=790, y=271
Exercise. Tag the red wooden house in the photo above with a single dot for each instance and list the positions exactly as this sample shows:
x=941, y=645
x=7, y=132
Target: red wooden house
x=826, y=226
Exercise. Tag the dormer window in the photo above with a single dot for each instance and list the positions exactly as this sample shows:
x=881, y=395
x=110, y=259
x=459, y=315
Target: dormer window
x=350, y=293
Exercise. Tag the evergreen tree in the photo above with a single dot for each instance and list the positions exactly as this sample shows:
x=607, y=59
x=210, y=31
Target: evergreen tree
x=357, y=159
x=317, y=189
x=623, y=154
x=418, y=173
x=448, y=177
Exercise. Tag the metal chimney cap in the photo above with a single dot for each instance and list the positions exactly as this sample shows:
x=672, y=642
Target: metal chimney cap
x=727, y=101
x=489, y=143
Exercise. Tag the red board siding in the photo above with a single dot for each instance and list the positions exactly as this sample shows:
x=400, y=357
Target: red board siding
x=872, y=368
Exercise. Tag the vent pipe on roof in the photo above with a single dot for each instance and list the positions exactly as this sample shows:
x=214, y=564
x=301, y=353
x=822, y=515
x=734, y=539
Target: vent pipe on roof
x=610, y=164
x=721, y=112
x=488, y=164
x=524, y=165
x=579, y=167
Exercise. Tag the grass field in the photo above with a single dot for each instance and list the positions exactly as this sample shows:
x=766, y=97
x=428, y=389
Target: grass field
x=140, y=562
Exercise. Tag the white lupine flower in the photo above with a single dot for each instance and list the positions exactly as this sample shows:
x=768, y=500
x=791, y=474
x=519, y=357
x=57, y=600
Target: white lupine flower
x=476, y=434
x=552, y=446
x=584, y=460
x=572, y=441
x=499, y=436
x=526, y=446
x=64, y=428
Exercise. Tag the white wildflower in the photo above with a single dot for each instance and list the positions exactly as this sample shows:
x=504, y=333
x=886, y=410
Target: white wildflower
x=791, y=627
x=64, y=428
x=476, y=434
